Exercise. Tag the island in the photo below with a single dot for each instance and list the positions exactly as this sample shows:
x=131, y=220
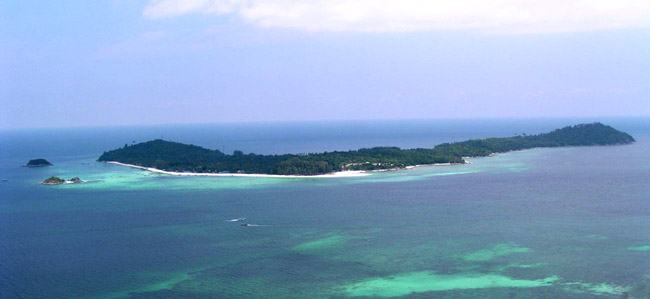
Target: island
x=53, y=180
x=38, y=163
x=168, y=156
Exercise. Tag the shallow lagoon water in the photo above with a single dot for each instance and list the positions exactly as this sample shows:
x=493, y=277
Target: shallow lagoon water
x=568, y=222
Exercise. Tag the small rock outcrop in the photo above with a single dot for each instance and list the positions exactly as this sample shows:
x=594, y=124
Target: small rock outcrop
x=53, y=180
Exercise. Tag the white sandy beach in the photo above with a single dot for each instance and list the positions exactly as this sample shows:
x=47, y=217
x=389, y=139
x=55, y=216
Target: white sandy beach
x=340, y=174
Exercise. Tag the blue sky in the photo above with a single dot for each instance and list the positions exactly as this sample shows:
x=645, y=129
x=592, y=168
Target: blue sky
x=118, y=62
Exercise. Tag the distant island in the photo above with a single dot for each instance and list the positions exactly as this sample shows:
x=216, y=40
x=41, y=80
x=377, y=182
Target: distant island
x=58, y=181
x=38, y=163
x=177, y=157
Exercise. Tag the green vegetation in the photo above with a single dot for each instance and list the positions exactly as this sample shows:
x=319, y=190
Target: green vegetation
x=38, y=163
x=173, y=156
x=53, y=181
x=58, y=181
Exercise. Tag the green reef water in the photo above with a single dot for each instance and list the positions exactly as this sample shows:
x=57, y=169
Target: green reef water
x=541, y=223
x=419, y=282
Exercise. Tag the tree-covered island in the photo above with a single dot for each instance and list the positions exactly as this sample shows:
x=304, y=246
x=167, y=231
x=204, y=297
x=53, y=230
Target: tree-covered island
x=38, y=163
x=53, y=180
x=174, y=156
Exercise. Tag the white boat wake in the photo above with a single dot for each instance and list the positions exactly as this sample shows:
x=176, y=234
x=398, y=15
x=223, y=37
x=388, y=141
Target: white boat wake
x=237, y=219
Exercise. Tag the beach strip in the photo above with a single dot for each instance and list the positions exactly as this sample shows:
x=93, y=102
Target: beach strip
x=339, y=174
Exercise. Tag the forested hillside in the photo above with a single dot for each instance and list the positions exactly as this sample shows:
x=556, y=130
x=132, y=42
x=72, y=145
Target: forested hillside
x=174, y=156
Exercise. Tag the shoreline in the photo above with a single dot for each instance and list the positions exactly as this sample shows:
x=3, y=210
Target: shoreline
x=66, y=182
x=338, y=174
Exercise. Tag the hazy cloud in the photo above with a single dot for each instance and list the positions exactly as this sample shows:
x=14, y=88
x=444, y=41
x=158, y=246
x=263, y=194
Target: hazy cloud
x=152, y=35
x=172, y=8
x=501, y=16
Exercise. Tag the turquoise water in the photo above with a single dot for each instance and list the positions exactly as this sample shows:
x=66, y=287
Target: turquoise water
x=542, y=223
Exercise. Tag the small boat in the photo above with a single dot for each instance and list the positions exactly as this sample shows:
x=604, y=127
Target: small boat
x=237, y=219
x=245, y=224
x=4, y=180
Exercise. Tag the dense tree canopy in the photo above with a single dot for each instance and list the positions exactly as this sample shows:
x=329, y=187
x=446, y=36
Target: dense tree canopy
x=53, y=180
x=174, y=156
x=38, y=162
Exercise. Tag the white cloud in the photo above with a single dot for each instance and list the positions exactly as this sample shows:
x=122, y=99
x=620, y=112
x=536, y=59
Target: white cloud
x=171, y=8
x=505, y=16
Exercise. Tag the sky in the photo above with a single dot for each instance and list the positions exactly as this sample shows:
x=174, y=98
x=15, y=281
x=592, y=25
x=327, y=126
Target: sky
x=138, y=62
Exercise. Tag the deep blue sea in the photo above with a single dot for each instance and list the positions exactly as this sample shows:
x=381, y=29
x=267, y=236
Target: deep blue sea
x=542, y=223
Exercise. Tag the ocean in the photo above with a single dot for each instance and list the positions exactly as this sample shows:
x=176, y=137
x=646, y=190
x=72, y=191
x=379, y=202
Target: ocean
x=543, y=223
